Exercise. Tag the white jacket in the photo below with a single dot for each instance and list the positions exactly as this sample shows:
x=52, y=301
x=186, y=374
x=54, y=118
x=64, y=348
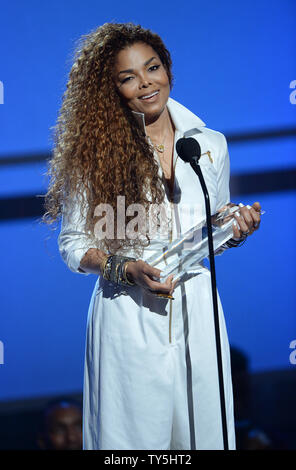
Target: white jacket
x=151, y=378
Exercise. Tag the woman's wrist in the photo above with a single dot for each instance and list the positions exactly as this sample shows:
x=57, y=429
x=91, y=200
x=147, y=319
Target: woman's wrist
x=114, y=269
x=235, y=242
x=93, y=261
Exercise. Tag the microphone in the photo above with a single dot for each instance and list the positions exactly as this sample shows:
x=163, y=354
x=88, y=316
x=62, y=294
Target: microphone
x=189, y=151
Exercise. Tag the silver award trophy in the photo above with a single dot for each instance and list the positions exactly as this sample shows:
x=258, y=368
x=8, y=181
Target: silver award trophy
x=186, y=253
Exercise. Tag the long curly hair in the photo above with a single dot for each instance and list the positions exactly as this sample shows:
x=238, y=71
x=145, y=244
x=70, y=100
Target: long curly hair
x=100, y=152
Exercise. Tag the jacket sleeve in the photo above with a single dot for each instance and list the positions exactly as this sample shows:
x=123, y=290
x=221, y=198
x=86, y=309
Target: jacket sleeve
x=73, y=241
x=223, y=175
x=223, y=178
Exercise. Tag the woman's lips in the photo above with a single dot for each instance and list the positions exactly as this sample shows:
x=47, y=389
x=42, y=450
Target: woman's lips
x=151, y=97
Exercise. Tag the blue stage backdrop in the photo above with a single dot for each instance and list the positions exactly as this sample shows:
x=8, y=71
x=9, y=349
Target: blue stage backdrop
x=234, y=66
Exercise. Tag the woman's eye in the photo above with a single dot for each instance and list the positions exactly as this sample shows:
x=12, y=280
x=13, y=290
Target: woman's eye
x=154, y=67
x=151, y=69
x=125, y=79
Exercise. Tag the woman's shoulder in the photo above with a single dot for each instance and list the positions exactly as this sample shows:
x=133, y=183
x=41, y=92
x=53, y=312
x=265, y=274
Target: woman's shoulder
x=191, y=125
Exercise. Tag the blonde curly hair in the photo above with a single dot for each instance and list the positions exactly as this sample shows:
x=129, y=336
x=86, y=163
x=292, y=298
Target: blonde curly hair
x=100, y=152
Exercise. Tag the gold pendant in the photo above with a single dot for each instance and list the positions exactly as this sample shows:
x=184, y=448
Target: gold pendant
x=160, y=148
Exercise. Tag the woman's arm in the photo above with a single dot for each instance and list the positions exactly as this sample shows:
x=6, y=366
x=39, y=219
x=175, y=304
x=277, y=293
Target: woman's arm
x=73, y=241
x=249, y=219
x=138, y=272
x=82, y=256
x=93, y=261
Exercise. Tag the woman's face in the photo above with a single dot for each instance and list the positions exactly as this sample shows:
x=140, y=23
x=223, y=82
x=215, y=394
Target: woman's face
x=142, y=80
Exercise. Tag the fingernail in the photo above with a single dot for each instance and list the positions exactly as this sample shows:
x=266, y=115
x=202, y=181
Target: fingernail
x=241, y=204
x=235, y=223
x=249, y=207
x=237, y=214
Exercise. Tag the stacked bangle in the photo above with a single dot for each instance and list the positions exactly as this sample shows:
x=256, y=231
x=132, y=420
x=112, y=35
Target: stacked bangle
x=232, y=243
x=114, y=269
x=130, y=283
x=102, y=267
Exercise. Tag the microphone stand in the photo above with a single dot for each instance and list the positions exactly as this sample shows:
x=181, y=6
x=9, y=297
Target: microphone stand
x=195, y=166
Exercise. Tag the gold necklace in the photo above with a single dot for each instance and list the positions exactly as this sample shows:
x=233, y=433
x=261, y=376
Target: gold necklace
x=160, y=147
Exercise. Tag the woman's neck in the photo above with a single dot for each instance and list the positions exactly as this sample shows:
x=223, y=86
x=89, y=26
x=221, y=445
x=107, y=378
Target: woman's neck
x=160, y=126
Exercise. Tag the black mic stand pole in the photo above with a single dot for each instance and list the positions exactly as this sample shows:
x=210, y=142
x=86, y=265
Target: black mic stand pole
x=194, y=164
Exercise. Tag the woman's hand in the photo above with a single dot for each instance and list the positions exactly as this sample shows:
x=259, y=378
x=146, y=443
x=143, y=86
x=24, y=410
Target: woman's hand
x=248, y=221
x=143, y=275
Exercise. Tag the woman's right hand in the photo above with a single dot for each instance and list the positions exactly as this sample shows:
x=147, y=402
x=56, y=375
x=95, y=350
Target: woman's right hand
x=143, y=275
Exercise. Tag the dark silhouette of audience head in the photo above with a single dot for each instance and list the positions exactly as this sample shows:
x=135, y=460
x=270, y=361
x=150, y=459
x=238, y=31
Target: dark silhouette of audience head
x=241, y=384
x=248, y=435
x=61, y=426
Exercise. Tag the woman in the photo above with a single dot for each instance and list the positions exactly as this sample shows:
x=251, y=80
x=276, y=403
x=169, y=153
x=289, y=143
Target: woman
x=150, y=363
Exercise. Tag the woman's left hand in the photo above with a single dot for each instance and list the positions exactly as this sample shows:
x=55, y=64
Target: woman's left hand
x=248, y=221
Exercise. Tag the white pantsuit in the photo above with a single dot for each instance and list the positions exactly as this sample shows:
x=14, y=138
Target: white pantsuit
x=151, y=379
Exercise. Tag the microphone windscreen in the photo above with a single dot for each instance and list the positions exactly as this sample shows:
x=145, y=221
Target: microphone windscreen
x=187, y=149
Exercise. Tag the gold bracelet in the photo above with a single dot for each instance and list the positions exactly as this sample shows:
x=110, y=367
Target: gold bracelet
x=116, y=272
x=103, y=265
x=130, y=283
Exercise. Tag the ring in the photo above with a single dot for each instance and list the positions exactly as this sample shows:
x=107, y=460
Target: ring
x=245, y=233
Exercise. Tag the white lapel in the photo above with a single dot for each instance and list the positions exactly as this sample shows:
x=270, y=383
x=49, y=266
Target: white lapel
x=186, y=123
x=184, y=120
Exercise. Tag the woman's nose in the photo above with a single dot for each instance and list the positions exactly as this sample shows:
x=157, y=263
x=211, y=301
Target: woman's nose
x=144, y=82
